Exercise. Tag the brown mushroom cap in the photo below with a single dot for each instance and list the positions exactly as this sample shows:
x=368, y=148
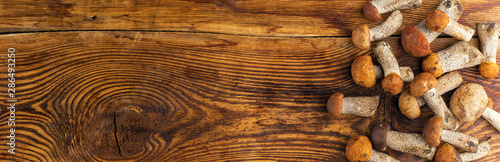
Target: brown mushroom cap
x=363, y=72
x=422, y=83
x=371, y=12
x=488, y=70
x=334, y=104
x=436, y=20
x=446, y=153
x=432, y=64
x=468, y=102
x=414, y=42
x=359, y=148
x=379, y=136
x=432, y=131
x=408, y=105
x=393, y=84
x=361, y=36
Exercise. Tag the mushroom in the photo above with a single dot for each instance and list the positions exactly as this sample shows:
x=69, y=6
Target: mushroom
x=412, y=143
x=438, y=20
x=446, y=153
x=488, y=35
x=364, y=73
x=374, y=8
x=423, y=85
x=410, y=105
x=360, y=106
x=392, y=82
x=416, y=39
x=433, y=134
x=458, y=56
x=362, y=36
x=359, y=148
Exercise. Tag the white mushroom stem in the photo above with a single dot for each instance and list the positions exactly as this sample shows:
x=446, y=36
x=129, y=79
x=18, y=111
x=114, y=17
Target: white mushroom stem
x=458, y=30
x=461, y=140
x=360, y=106
x=460, y=55
x=445, y=83
x=379, y=156
x=412, y=143
x=388, y=62
x=438, y=106
x=384, y=6
x=493, y=117
x=388, y=27
x=482, y=151
x=488, y=35
x=406, y=73
x=453, y=8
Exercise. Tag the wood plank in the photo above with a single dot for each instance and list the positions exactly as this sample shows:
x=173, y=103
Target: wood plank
x=250, y=17
x=149, y=96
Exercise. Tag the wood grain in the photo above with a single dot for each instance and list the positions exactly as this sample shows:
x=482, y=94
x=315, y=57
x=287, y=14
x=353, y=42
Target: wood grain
x=156, y=96
x=249, y=17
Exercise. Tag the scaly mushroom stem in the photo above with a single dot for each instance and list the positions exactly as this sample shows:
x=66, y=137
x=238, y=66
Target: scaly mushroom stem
x=373, y=9
x=392, y=82
x=445, y=84
x=410, y=143
x=360, y=106
x=438, y=106
x=493, y=117
x=458, y=56
x=488, y=35
x=459, y=31
x=379, y=156
x=362, y=36
x=461, y=140
x=483, y=150
x=406, y=73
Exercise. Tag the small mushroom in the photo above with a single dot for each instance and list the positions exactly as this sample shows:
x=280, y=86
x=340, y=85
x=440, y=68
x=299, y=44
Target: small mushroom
x=410, y=105
x=359, y=148
x=416, y=39
x=433, y=134
x=412, y=143
x=364, y=73
x=438, y=20
x=458, y=56
x=446, y=153
x=360, y=106
x=483, y=151
x=488, y=35
x=423, y=85
x=362, y=36
x=374, y=8
x=392, y=82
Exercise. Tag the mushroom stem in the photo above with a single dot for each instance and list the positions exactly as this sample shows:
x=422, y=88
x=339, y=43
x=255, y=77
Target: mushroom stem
x=453, y=8
x=488, y=35
x=458, y=31
x=360, y=106
x=384, y=6
x=445, y=84
x=406, y=73
x=438, y=106
x=379, y=156
x=461, y=140
x=493, y=117
x=482, y=151
x=388, y=27
x=410, y=143
x=460, y=55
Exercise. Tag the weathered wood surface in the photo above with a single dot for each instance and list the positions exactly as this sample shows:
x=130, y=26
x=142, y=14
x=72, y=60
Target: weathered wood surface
x=249, y=17
x=162, y=96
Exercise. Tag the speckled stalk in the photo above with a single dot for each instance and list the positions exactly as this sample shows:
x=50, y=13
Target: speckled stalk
x=458, y=30
x=445, y=83
x=438, y=106
x=379, y=156
x=411, y=143
x=493, y=117
x=453, y=8
x=388, y=62
x=406, y=73
x=483, y=151
x=488, y=35
x=360, y=106
x=460, y=55
x=388, y=27
x=460, y=140
x=384, y=6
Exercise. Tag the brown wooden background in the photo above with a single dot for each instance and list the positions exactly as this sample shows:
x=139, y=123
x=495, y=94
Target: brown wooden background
x=200, y=80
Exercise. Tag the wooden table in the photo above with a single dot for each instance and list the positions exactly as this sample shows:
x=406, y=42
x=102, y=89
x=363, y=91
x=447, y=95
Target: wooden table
x=200, y=80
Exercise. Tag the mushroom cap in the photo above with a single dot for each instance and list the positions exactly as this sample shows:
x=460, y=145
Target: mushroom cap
x=334, y=104
x=432, y=131
x=488, y=70
x=393, y=83
x=414, y=42
x=361, y=36
x=446, y=153
x=408, y=105
x=371, y=12
x=436, y=20
x=432, y=64
x=379, y=136
x=468, y=102
x=422, y=83
x=363, y=72
x=359, y=148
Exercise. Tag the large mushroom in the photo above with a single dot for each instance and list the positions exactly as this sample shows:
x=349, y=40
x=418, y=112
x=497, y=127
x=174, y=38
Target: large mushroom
x=365, y=74
x=488, y=35
x=359, y=148
x=362, y=35
x=433, y=134
x=374, y=8
x=359, y=106
x=392, y=82
x=412, y=143
x=446, y=153
x=438, y=20
x=458, y=56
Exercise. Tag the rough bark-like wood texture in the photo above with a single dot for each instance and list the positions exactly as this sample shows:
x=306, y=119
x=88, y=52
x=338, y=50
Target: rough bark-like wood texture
x=150, y=96
x=250, y=17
